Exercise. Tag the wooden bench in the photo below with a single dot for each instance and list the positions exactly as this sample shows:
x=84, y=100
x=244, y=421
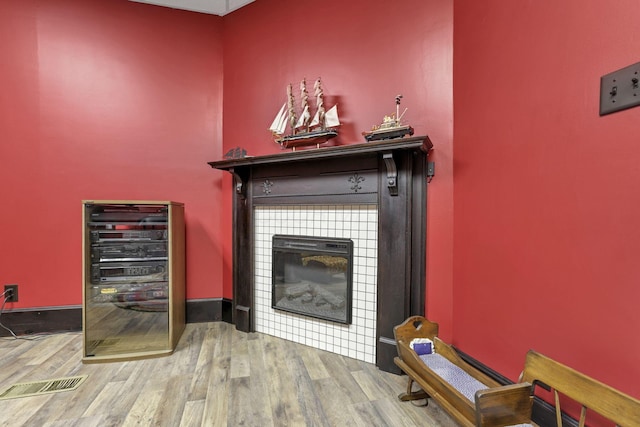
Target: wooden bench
x=589, y=393
x=474, y=399
x=499, y=405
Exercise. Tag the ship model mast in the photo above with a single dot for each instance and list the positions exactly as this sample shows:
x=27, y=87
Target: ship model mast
x=320, y=113
x=291, y=108
x=399, y=117
x=304, y=101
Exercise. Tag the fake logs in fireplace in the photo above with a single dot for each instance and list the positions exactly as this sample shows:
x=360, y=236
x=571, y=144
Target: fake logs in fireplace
x=312, y=276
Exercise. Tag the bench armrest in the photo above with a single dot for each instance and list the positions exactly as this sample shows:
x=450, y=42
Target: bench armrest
x=415, y=327
x=505, y=405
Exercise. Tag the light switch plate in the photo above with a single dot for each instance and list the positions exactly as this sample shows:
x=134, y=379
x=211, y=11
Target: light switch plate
x=620, y=90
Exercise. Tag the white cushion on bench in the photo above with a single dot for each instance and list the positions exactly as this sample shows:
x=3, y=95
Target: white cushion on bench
x=454, y=375
x=457, y=377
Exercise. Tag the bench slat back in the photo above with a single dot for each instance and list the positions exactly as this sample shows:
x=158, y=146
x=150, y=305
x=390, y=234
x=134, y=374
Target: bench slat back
x=614, y=405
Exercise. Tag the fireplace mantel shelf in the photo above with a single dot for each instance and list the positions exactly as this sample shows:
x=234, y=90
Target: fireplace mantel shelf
x=419, y=142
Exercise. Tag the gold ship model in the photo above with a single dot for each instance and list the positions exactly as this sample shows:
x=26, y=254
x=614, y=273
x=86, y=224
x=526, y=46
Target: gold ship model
x=391, y=126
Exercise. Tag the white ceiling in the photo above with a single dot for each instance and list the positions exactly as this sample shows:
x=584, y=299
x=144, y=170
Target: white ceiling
x=214, y=7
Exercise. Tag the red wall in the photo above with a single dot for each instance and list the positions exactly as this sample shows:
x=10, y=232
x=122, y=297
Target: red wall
x=546, y=234
x=366, y=54
x=119, y=100
x=104, y=100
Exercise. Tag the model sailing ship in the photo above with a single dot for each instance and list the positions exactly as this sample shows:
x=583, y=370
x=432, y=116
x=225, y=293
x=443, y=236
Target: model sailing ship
x=391, y=126
x=305, y=130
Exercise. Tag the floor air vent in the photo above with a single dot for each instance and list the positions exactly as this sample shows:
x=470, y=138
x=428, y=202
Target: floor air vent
x=36, y=388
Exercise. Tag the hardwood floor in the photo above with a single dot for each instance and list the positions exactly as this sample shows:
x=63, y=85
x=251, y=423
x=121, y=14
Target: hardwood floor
x=217, y=377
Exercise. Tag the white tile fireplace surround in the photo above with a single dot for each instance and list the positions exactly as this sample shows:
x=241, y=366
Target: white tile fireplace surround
x=356, y=222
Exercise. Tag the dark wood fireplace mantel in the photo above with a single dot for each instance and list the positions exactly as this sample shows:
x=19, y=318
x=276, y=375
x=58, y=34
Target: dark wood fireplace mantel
x=390, y=174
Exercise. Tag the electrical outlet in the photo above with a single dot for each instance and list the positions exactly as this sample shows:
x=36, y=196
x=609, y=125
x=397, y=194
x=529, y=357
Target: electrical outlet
x=620, y=90
x=14, y=293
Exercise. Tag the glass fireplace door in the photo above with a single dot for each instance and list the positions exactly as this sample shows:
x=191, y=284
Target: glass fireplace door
x=312, y=276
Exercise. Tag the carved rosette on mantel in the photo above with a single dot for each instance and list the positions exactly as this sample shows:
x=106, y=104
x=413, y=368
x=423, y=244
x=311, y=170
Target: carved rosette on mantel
x=356, y=180
x=266, y=186
x=390, y=174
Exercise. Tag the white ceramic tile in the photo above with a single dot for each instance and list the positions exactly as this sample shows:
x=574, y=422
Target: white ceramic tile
x=357, y=222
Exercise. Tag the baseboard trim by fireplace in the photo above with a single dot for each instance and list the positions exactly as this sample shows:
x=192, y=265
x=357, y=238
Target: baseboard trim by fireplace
x=30, y=321
x=207, y=310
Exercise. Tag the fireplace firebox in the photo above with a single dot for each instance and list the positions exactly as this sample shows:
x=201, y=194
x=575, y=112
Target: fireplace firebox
x=312, y=276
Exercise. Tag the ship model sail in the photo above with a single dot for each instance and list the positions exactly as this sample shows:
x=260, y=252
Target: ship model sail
x=305, y=130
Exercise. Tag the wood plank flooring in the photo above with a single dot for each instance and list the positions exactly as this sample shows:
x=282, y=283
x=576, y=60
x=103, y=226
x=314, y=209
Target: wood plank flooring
x=217, y=377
